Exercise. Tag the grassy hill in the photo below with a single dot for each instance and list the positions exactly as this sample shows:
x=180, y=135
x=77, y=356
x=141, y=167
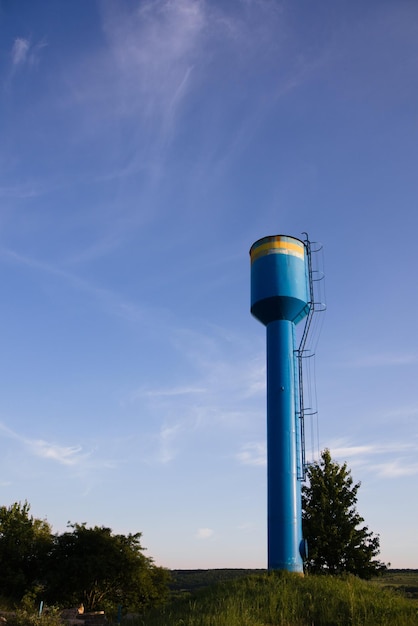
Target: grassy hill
x=280, y=599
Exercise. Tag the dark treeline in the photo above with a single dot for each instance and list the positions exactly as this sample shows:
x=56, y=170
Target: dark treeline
x=92, y=566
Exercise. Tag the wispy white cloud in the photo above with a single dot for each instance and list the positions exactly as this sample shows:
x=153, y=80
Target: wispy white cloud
x=167, y=392
x=389, y=460
x=64, y=455
x=246, y=527
x=397, y=468
x=156, y=54
x=19, y=191
x=345, y=448
x=151, y=52
x=204, y=533
x=166, y=443
x=253, y=453
x=20, y=50
x=402, y=413
x=25, y=53
x=216, y=374
x=386, y=459
x=111, y=300
x=220, y=388
x=384, y=359
x=223, y=362
x=352, y=450
x=255, y=378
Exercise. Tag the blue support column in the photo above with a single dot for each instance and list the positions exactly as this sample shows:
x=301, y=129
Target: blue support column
x=284, y=489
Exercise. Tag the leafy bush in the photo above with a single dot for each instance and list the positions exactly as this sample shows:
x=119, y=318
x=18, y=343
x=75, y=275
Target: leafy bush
x=28, y=614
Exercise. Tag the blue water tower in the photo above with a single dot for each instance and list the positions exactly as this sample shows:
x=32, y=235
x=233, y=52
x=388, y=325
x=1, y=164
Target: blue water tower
x=280, y=298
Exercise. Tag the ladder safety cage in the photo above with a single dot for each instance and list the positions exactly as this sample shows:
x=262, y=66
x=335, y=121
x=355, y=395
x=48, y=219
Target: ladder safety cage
x=303, y=352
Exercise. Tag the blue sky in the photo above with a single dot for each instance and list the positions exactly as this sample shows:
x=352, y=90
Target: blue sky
x=144, y=146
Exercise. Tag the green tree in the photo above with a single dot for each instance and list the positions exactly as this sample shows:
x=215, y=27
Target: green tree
x=103, y=570
x=337, y=540
x=24, y=546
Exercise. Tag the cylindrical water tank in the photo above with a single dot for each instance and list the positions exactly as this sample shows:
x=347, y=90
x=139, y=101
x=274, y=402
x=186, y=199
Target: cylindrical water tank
x=279, y=279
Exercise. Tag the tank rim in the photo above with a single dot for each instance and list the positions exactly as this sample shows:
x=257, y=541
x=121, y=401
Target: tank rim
x=274, y=237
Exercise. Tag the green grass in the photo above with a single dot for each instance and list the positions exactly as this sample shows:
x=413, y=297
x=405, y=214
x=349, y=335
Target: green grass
x=403, y=581
x=282, y=599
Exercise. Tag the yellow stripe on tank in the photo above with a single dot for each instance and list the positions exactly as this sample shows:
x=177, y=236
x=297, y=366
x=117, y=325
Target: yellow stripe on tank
x=278, y=247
